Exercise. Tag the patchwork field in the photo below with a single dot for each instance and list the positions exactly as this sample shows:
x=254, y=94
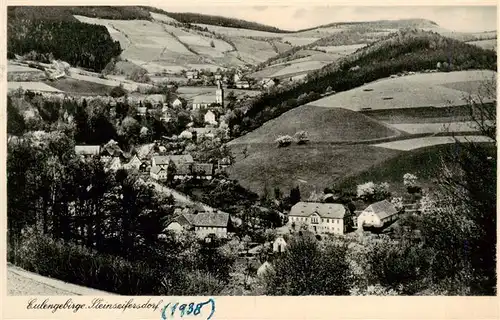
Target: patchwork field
x=490, y=44
x=18, y=68
x=424, y=114
x=419, y=90
x=33, y=86
x=344, y=50
x=417, y=143
x=80, y=87
x=127, y=84
x=322, y=125
x=300, y=67
x=417, y=128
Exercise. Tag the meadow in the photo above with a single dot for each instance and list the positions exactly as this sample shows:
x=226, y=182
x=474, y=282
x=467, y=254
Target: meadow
x=417, y=143
x=80, y=87
x=33, y=86
x=419, y=90
x=393, y=169
x=312, y=168
x=436, y=127
x=321, y=124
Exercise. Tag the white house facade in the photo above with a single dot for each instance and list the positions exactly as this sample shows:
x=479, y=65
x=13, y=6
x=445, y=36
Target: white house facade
x=319, y=218
x=377, y=215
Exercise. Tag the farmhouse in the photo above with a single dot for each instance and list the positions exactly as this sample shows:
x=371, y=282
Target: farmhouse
x=114, y=164
x=210, y=118
x=165, y=161
x=203, y=224
x=134, y=163
x=267, y=83
x=111, y=150
x=242, y=84
x=87, y=151
x=202, y=133
x=319, y=217
x=279, y=245
x=176, y=102
x=203, y=101
x=186, y=135
x=192, y=75
x=159, y=173
x=378, y=214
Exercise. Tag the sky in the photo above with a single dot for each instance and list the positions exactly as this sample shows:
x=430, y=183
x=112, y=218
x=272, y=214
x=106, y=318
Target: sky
x=456, y=18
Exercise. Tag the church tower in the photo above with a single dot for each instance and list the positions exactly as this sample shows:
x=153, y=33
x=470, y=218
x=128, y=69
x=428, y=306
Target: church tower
x=219, y=93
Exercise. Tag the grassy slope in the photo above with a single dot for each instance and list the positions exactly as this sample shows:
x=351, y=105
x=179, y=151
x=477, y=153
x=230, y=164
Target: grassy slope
x=309, y=167
x=322, y=125
x=80, y=86
x=425, y=163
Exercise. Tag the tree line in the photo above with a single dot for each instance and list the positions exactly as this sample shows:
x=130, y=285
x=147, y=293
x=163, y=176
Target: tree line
x=196, y=18
x=80, y=44
x=92, y=122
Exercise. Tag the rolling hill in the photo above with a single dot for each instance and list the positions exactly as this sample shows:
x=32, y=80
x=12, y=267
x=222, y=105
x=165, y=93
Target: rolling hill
x=403, y=51
x=322, y=125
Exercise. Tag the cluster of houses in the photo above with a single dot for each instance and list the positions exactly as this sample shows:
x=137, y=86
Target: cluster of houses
x=335, y=218
x=238, y=78
x=180, y=167
x=158, y=167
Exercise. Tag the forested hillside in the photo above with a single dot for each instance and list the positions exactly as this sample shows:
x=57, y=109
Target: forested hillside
x=406, y=50
x=196, y=18
x=67, y=12
x=53, y=33
x=382, y=24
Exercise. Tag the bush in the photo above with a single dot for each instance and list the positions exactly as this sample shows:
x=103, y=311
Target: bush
x=117, y=92
x=308, y=269
x=372, y=192
x=301, y=137
x=75, y=264
x=139, y=75
x=284, y=141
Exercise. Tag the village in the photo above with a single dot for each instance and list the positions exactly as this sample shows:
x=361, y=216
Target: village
x=166, y=162
x=165, y=153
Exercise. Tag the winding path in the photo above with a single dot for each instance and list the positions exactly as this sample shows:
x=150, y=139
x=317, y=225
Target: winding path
x=24, y=283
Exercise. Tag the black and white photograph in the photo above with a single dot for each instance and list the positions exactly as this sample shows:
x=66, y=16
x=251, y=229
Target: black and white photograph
x=215, y=150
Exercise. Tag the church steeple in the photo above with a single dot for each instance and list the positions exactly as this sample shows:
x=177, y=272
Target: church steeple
x=219, y=93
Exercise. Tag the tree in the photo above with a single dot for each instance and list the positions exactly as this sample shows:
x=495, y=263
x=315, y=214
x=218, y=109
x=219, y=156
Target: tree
x=15, y=121
x=372, y=192
x=284, y=141
x=410, y=182
x=117, y=92
x=301, y=137
x=307, y=269
x=212, y=44
x=294, y=195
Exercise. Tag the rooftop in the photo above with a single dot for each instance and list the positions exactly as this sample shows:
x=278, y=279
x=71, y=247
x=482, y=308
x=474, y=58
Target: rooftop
x=383, y=209
x=324, y=210
x=176, y=159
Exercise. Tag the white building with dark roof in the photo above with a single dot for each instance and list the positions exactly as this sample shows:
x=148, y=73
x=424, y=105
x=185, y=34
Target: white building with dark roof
x=87, y=150
x=319, y=217
x=378, y=214
x=203, y=224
